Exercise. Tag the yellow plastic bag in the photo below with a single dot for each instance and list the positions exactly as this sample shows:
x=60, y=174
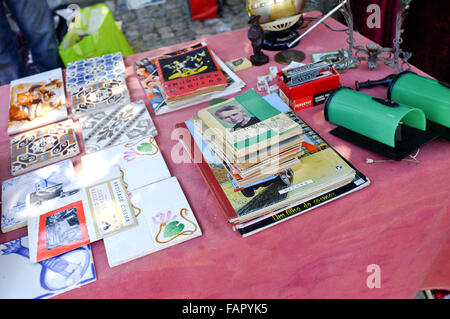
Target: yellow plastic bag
x=94, y=32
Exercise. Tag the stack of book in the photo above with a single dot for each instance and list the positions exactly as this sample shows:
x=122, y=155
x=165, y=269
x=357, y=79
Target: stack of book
x=307, y=171
x=254, y=140
x=185, y=77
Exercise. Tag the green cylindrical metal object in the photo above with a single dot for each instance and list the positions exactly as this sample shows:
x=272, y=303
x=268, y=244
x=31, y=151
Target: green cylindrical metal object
x=370, y=116
x=429, y=95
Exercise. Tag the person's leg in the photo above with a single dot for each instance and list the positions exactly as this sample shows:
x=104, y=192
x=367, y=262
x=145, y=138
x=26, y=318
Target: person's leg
x=11, y=66
x=35, y=20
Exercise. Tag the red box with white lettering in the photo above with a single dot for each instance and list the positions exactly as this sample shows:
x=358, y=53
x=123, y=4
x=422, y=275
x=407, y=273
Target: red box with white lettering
x=307, y=94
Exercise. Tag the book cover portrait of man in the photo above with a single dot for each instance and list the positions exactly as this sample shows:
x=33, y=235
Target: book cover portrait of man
x=236, y=116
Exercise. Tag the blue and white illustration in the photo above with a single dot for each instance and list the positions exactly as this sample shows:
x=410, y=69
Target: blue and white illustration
x=25, y=193
x=24, y=280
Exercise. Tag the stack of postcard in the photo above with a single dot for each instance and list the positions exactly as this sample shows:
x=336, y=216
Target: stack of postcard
x=320, y=176
x=186, y=77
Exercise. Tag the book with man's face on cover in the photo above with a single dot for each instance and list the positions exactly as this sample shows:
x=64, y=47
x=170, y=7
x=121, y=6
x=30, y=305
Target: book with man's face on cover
x=247, y=123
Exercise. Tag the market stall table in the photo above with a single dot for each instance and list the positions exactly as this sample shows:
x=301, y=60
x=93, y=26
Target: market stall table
x=401, y=222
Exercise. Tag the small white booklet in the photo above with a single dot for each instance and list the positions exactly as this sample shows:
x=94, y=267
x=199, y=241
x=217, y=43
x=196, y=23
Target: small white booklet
x=98, y=206
x=22, y=195
x=140, y=161
x=21, y=279
x=164, y=219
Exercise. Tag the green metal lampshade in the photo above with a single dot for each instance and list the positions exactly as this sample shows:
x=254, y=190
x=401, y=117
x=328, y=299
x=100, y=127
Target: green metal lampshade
x=429, y=95
x=370, y=116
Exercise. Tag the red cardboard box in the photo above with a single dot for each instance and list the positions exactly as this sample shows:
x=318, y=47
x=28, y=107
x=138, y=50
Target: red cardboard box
x=307, y=94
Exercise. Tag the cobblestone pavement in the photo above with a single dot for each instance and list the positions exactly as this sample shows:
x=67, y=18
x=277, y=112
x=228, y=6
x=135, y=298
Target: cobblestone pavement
x=169, y=23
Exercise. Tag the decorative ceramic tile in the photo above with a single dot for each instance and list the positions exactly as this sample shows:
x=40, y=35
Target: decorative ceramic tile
x=98, y=96
x=114, y=126
x=43, y=146
x=21, y=195
x=36, y=100
x=94, y=70
x=164, y=219
x=21, y=279
x=140, y=160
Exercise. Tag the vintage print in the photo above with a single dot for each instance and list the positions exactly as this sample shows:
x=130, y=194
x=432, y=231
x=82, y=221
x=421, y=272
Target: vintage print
x=36, y=100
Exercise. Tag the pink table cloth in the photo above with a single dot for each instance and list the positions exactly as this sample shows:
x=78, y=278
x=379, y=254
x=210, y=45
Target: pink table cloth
x=401, y=222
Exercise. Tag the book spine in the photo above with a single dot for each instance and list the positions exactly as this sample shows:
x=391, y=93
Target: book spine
x=206, y=172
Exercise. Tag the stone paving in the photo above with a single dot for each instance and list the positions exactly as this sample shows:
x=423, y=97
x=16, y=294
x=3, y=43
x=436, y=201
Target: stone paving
x=169, y=23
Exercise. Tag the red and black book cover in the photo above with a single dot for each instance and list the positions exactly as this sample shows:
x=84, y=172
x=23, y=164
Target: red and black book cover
x=191, y=73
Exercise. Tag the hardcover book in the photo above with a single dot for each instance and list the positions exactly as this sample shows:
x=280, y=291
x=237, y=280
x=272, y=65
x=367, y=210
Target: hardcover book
x=260, y=223
x=21, y=279
x=189, y=74
x=43, y=146
x=36, y=100
x=94, y=97
x=94, y=209
x=113, y=126
x=22, y=194
x=94, y=70
x=140, y=162
x=164, y=219
x=321, y=170
x=146, y=71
